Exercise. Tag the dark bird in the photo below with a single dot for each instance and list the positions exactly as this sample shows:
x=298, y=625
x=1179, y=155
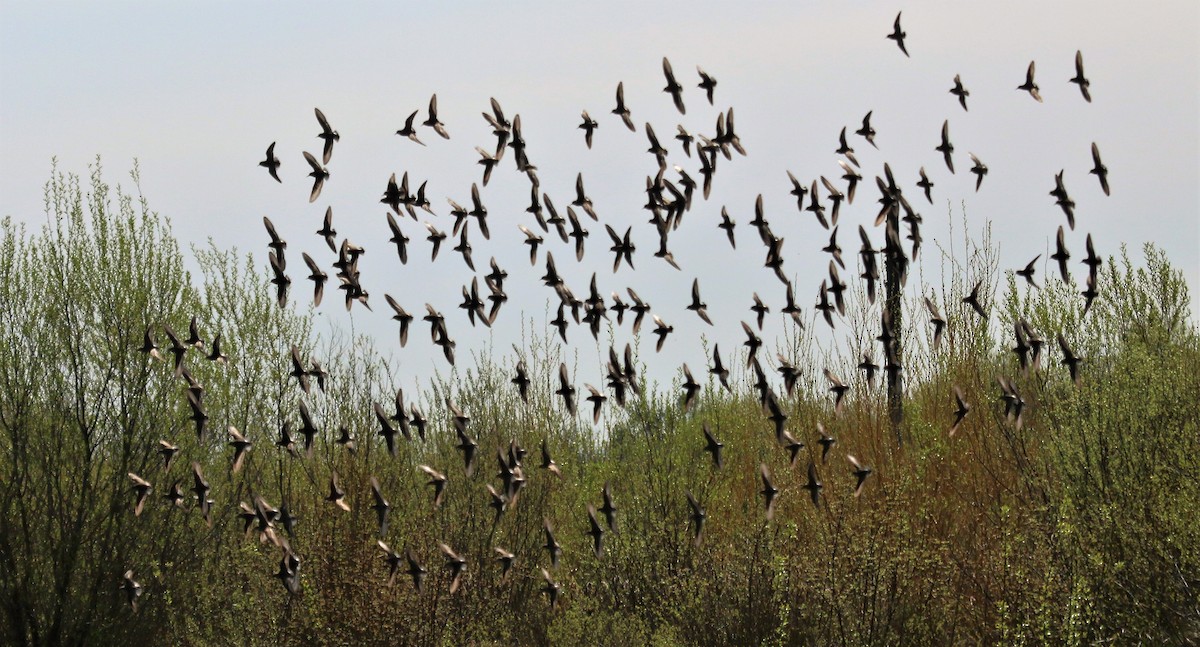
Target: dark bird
x=1080, y=79
x=979, y=169
x=1029, y=85
x=973, y=300
x=327, y=231
x=141, y=488
x=488, y=161
x=438, y=481
x=690, y=388
x=198, y=416
x=714, y=447
x=673, y=88
x=1091, y=259
x=837, y=388
x=522, y=381
x=728, y=224
x=1069, y=359
x=597, y=399
x=844, y=148
x=898, y=35
x=401, y=316
x=1099, y=169
x=215, y=354
x=792, y=446
x=813, y=485
x=565, y=389
x=946, y=148
x=201, y=488
x=336, y=494
x=551, y=588
x=433, y=121
x=132, y=589
x=167, y=451
x=708, y=83
x=926, y=185
x=552, y=546
x=825, y=441
x=1027, y=273
x=769, y=491
x=393, y=559
x=595, y=531
x=533, y=240
x=408, y=130
x=240, y=446
x=662, y=330
x=319, y=174
x=456, y=564
x=609, y=509
x=272, y=163
x=961, y=409
x=867, y=132
x=149, y=347
x=684, y=138
x=317, y=276
x=415, y=570
x=623, y=247
x=868, y=366
x=621, y=110
x=698, y=306
x=298, y=371
x=382, y=507
x=589, y=127
x=939, y=323
x=697, y=516
x=861, y=472
x=959, y=91
x=327, y=134
x=1063, y=200
x=1061, y=255
x=719, y=369
x=505, y=559
x=548, y=463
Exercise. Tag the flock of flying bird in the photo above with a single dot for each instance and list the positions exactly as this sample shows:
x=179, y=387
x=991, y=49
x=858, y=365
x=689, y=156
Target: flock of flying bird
x=668, y=201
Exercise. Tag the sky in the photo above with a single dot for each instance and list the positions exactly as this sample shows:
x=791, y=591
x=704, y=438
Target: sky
x=195, y=92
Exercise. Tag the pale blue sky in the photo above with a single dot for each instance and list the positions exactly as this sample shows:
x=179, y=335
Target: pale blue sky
x=196, y=91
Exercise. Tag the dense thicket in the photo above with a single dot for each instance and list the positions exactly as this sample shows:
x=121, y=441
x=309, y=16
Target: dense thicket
x=1076, y=526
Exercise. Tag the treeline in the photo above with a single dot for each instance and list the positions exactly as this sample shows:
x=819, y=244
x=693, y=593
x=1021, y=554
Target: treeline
x=1070, y=522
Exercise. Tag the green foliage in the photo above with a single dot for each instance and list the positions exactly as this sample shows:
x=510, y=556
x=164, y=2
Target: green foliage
x=1074, y=527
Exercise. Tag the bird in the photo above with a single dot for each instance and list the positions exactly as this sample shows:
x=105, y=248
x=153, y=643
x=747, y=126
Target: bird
x=317, y=276
x=1080, y=79
x=673, y=88
x=272, y=163
x=926, y=185
x=551, y=588
x=961, y=409
x=597, y=399
x=240, y=446
x=589, y=127
x=438, y=481
x=167, y=451
x=662, y=330
x=719, y=369
x=132, y=589
x=415, y=570
x=728, y=224
x=769, y=491
x=1070, y=360
x=898, y=35
x=1029, y=85
x=382, y=509
x=844, y=149
x=867, y=131
x=142, y=488
x=408, y=130
x=393, y=559
x=698, y=306
x=327, y=134
x=713, y=447
x=813, y=485
x=319, y=174
x=621, y=110
x=979, y=169
x=1027, y=272
x=861, y=472
x=327, y=231
x=973, y=300
x=697, y=516
x=548, y=463
x=337, y=495
x=825, y=441
x=595, y=531
x=433, y=121
x=1099, y=170
x=609, y=509
x=1061, y=255
x=939, y=323
x=959, y=91
x=946, y=148
x=838, y=388
x=552, y=546
x=1063, y=200
x=201, y=488
x=565, y=389
x=456, y=564
x=707, y=83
